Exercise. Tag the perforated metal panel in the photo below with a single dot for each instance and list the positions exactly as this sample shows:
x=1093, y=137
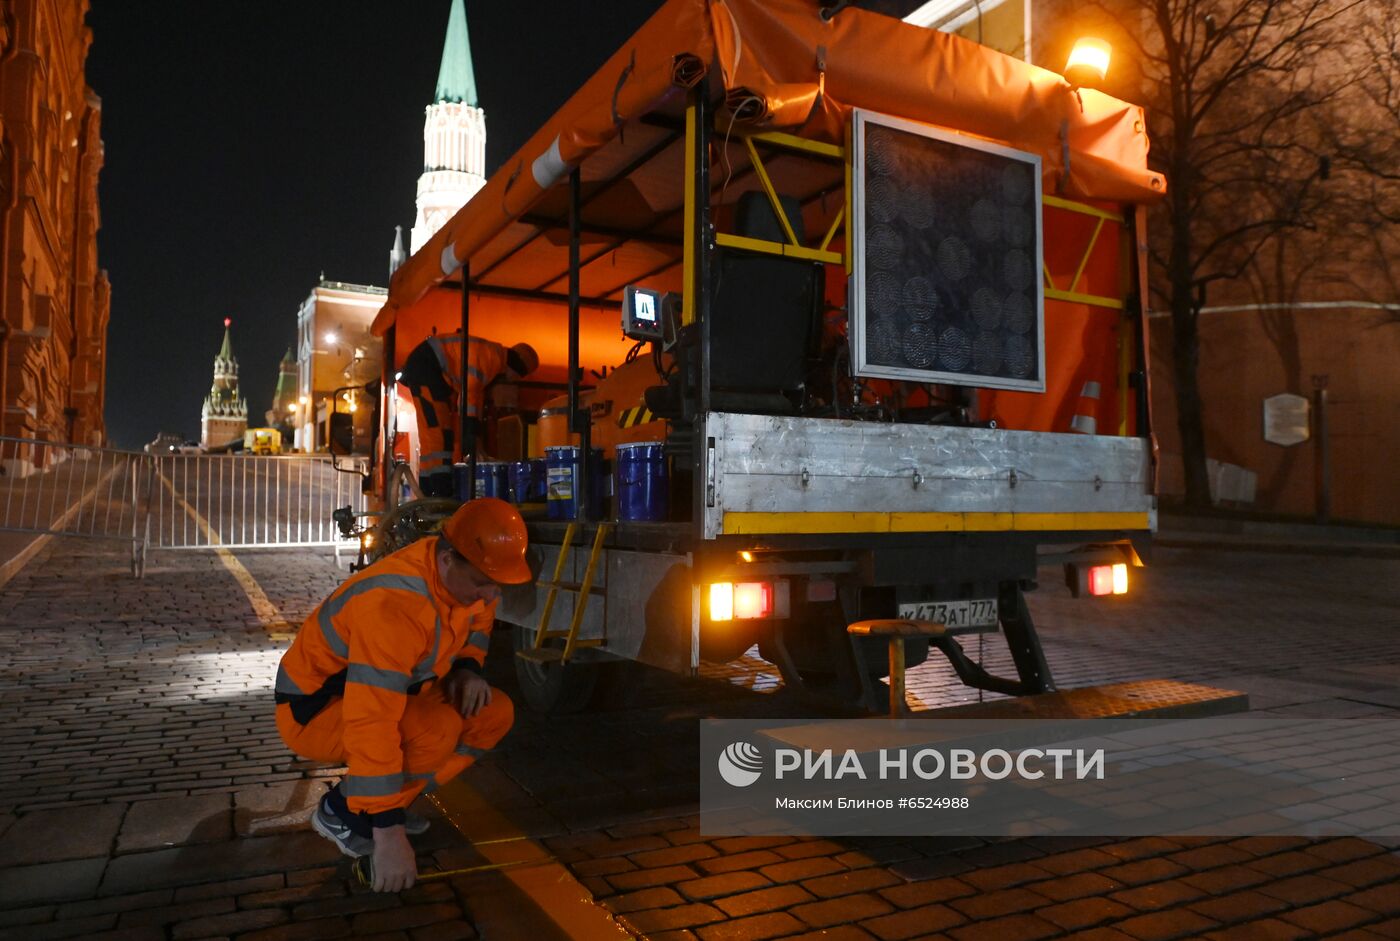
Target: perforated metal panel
x=947, y=255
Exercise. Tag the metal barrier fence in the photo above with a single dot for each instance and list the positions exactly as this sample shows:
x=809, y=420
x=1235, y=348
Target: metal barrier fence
x=239, y=501
x=53, y=489
x=175, y=501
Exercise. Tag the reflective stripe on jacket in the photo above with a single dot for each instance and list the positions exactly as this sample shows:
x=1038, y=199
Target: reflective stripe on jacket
x=389, y=632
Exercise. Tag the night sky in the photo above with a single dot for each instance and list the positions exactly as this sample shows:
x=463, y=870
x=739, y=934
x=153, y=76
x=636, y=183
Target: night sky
x=251, y=146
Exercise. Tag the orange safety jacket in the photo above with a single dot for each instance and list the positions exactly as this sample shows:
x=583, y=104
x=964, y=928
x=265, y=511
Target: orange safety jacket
x=486, y=361
x=386, y=634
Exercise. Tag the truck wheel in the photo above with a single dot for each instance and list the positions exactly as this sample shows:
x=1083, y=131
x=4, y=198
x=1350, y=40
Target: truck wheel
x=552, y=688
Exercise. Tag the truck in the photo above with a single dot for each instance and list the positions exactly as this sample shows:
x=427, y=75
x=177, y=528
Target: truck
x=877, y=292
x=262, y=441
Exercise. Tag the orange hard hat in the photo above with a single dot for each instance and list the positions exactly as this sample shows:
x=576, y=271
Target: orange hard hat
x=490, y=534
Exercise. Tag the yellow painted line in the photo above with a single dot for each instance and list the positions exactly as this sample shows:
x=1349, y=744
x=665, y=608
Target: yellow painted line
x=276, y=626
x=739, y=523
x=552, y=888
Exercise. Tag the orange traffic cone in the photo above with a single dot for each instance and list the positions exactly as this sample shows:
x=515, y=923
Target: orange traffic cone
x=1084, y=421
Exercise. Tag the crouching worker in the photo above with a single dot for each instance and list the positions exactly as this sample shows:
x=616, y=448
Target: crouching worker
x=385, y=677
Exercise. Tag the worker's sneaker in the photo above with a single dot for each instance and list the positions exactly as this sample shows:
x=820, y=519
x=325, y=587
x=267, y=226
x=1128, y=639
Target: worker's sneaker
x=325, y=822
x=414, y=824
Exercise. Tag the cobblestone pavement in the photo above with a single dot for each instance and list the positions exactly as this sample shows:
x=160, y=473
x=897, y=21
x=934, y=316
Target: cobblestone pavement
x=144, y=792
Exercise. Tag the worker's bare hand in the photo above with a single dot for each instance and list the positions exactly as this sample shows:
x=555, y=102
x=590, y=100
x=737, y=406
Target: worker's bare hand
x=466, y=692
x=395, y=864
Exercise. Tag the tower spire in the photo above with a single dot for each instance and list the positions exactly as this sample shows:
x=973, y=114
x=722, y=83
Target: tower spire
x=456, y=77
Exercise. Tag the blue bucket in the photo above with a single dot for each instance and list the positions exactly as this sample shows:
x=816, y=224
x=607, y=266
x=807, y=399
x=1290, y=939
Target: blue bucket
x=643, y=482
x=493, y=479
x=528, y=481
x=461, y=489
x=562, y=468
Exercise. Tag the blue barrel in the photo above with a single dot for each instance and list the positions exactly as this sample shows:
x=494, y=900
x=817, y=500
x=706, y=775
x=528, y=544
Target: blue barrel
x=529, y=481
x=643, y=482
x=461, y=482
x=493, y=479
x=562, y=470
x=561, y=467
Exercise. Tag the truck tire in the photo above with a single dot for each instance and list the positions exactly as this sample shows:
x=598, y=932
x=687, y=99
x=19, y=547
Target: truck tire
x=552, y=688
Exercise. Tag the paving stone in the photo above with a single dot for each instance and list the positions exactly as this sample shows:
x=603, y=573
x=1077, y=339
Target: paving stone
x=846, y=908
x=1304, y=890
x=642, y=899
x=673, y=855
x=408, y=916
x=1239, y=907
x=1330, y=917
x=763, y=900
x=913, y=922
x=1010, y=928
x=1159, y=895
x=22, y=886
x=27, y=916
x=71, y=928
x=1143, y=871
x=230, y=924
x=663, y=919
x=47, y=836
x=752, y=860
x=120, y=903
x=1384, y=900
x=798, y=869
x=729, y=883
x=1068, y=888
x=207, y=862
x=277, y=808
x=644, y=878
x=322, y=929
x=231, y=887
x=844, y=883
x=1161, y=926
x=175, y=821
x=170, y=914
x=752, y=928
x=1083, y=913
x=443, y=931
x=840, y=933
x=1363, y=873
x=914, y=894
x=1005, y=902
x=1267, y=929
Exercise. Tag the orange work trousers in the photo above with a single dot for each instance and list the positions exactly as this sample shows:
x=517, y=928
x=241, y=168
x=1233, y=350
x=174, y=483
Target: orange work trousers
x=438, y=742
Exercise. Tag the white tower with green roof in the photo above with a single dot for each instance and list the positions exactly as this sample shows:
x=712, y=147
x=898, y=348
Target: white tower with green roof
x=224, y=416
x=454, y=136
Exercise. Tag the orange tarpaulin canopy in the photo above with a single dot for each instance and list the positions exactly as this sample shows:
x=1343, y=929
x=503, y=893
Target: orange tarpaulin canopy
x=780, y=67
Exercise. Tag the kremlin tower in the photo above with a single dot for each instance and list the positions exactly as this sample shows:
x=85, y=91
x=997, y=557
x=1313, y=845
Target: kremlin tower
x=454, y=137
x=224, y=416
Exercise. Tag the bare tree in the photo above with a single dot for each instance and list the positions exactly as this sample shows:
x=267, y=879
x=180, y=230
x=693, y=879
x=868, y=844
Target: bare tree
x=1230, y=87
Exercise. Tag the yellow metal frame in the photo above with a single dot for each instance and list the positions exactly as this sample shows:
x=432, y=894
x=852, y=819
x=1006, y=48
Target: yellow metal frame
x=1071, y=295
x=585, y=588
x=793, y=247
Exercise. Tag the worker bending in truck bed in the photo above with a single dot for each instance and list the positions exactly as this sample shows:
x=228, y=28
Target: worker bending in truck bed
x=385, y=677
x=433, y=374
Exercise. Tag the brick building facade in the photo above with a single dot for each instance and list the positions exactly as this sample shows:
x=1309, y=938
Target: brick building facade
x=54, y=299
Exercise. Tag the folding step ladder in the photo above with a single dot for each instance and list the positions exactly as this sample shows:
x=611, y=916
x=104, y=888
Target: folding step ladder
x=538, y=652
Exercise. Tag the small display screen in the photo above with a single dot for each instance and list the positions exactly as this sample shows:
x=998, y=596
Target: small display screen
x=642, y=313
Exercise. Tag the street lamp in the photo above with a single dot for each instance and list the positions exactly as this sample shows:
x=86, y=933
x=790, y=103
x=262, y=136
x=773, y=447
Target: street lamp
x=1088, y=62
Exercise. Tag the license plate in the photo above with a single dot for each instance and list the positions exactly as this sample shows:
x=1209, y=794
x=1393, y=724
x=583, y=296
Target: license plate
x=973, y=612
